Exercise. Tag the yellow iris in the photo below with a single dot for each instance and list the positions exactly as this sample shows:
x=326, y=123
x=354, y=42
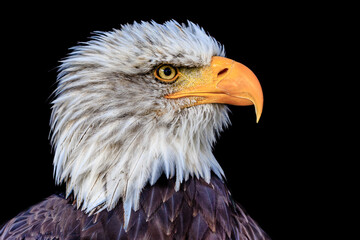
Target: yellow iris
x=166, y=73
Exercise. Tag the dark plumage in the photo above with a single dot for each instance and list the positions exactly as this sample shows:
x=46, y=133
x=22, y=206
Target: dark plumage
x=197, y=211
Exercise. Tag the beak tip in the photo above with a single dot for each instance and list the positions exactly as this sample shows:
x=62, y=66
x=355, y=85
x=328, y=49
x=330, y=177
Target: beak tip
x=258, y=112
x=257, y=119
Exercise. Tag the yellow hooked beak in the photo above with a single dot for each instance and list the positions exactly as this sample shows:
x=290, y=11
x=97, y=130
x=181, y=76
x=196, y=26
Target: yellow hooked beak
x=227, y=82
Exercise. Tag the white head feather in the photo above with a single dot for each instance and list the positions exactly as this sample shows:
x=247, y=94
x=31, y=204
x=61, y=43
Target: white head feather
x=112, y=129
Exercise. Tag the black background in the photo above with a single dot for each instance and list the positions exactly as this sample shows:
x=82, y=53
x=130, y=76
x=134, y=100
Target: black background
x=271, y=167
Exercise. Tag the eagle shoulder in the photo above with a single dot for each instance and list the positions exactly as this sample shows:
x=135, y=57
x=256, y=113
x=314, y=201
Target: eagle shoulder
x=49, y=219
x=198, y=210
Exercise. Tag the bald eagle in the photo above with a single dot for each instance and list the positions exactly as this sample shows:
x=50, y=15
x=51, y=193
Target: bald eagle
x=134, y=118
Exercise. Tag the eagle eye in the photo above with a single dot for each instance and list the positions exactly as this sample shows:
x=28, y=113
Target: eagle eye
x=166, y=73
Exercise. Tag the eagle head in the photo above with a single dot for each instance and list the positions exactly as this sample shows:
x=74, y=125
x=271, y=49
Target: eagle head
x=145, y=100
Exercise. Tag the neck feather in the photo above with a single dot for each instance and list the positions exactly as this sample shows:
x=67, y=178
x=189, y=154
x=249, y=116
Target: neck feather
x=103, y=163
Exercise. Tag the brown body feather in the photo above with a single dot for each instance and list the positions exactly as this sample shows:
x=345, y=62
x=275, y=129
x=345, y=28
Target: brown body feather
x=197, y=211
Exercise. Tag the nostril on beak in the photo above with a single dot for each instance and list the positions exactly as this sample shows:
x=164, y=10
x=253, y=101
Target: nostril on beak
x=222, y=73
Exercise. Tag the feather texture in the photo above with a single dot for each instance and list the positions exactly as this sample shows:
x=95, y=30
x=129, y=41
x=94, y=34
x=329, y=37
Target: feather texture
x=115, y=134
x=198, y=211
x=112, y=128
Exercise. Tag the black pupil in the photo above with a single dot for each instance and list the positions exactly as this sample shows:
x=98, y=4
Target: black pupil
x=167, y=71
